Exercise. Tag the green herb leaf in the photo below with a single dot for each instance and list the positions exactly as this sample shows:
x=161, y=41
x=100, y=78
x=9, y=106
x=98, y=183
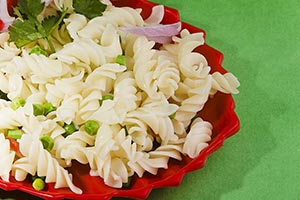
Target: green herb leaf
x=35, y=7
x=90, y=9
x=24, y=32
x=30, y=9
x=49, y=23
x=38, y=50
x=30, y=27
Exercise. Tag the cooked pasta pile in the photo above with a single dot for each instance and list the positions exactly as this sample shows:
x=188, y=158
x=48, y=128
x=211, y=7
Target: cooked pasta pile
x=145, y=107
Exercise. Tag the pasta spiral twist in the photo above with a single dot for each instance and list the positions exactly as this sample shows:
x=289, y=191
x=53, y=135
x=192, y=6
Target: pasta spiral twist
x=197, y=95
x=62, y=88
x=7, y=52
x=124, y=16
x=7, y=157
x=197, y=138
x=144, y=64
x=74, y=147
x=156, y=115
x=226, y=83
x=81, y=51
x=39, y=161
x=167, y=75
x=38, y=68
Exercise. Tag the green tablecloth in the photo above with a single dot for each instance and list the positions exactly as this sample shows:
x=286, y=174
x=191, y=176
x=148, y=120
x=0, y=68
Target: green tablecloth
x=261, y=45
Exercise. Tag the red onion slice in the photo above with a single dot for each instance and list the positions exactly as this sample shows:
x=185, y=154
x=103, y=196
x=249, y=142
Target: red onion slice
x=161, y=33
x=6, y=19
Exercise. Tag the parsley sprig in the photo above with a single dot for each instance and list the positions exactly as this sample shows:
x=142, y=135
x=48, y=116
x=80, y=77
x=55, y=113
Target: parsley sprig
x=29, y=27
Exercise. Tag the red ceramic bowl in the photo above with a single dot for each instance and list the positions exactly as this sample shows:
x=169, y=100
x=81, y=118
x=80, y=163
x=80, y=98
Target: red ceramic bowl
x=219, y=110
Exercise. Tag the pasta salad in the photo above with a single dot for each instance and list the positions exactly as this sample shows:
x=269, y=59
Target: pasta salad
x=108, y=89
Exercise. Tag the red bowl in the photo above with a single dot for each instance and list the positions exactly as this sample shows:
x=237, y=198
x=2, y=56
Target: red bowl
x=219, y=110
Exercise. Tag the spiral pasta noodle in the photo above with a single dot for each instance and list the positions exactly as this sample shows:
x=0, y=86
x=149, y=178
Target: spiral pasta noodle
x=39, y=68
x=7, y=52
x=38, y=160
x=197, y=138
x=73, y=147
x=84, y=50
x=7, y=157
x=226, y=83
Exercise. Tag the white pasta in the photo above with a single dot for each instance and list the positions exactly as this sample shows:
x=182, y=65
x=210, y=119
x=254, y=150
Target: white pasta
x=169, y=151
x=6, y=157
x=40, y=161
x=197, y=138
x=60, y=37
x=112, y=169
x=4, y=36
x=38, y=68
x=7, y=52
x=226, y=83
x=68, y=109
x=64, y=88
x=137, y=129
x=156, y=115
x=88, y=105
x=81, y=51
x=123, y=16
x=59, y=4
x=167, y=75
x=10, y=120
x=144, y=65
x=141, y=110
x=197, y=95
x=74, y=147
x=140, y=161
x=74, y=23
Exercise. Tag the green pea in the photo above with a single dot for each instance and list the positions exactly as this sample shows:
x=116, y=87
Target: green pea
x=121, y=59
x=69, y=128
x=48, y=107
x=14, y=133
x=17, y=102
x=38, y=109
x=48, y=142
x=106, y=97
x=91, y=127
x=38, y=184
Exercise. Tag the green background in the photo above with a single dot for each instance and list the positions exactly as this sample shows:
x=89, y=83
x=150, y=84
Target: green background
x=260, y=40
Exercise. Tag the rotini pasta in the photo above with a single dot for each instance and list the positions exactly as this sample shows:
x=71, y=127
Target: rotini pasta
x=39, y=161
x=6, y=157
x=197, y=138
x=226, y=83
